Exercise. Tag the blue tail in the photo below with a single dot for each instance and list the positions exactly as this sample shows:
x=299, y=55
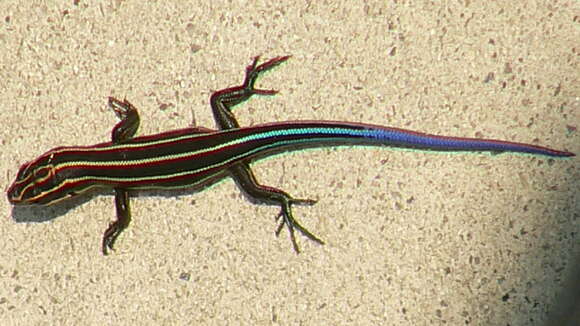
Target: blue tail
x=324, y=133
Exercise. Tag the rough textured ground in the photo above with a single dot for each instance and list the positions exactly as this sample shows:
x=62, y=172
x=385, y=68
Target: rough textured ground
x=413, y=238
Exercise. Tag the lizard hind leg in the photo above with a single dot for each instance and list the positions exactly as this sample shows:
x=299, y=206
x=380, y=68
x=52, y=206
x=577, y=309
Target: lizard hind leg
x=223, y=101
x=262, y=194
x=286, y=218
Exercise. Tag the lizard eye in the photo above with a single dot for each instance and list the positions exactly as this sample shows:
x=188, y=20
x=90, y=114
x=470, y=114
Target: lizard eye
x=41, y=174
x=23, y=172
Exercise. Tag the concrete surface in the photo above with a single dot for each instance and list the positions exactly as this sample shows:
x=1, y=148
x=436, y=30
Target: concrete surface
x=413, y=238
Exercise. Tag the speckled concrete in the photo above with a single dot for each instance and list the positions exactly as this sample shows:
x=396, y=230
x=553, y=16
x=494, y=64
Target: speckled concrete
x=413, y=238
